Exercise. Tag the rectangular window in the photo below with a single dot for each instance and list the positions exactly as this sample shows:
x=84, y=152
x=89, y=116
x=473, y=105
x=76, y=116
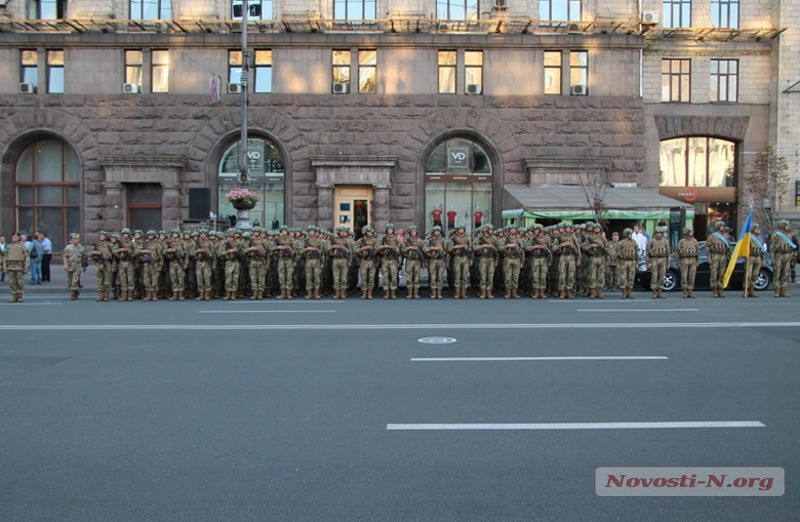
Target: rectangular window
x=677, y=13
x=151, y=9
x=29, y=67
x=724, y=80
x=725, y=14
x=235, y=66
x=560, y=10
x=473, y=72
x=159, y=70
x=552, y=72
x=55, y=72
x=354, y=9
x=134, y=60
x=340, y=71
x=675, y=80
x=367, y=71
x=578, y=72
x=457, y=10
x=46, y=9
x=447, y=72
x=263, y=66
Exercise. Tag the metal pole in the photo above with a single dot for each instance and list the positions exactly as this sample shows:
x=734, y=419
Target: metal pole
x=243, y=216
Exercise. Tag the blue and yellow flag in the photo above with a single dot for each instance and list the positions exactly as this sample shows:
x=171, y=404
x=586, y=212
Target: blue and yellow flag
x=742, y=248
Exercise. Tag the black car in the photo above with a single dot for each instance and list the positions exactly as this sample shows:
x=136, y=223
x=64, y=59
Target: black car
x=672, y=279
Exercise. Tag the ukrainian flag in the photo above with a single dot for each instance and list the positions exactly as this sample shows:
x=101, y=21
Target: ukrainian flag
x=742, y=248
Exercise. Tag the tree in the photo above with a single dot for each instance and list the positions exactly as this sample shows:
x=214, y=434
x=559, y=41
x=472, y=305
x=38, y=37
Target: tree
x=594, y=183
x=765, y=186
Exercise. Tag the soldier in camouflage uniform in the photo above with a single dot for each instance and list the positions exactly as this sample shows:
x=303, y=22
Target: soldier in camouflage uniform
x=459, y=249
x=201, y=250
x=513, y=254
x=485, y=249
x=366, y=250
x=341, y=252
x=230, y=254
x=658, y=252
x=255, y=258
x=688, y=257
x=783, y=250
x=627, y=259
x=719, y=252
x=74, y=259
x=126, y=254
x=411, y=249
x=190, y=276
x=389, y=254
x=150, y=255
x=434, y=250
x=314, y=254
x=175, y=256
x=285, y=252
x=566, y=246
x=594, y=247
x=537, y=249
x=755, y=260
x=102, y=255
x=612, y=275
x=16, y=265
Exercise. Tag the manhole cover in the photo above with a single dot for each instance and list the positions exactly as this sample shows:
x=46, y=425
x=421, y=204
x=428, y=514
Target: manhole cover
x=437, y=340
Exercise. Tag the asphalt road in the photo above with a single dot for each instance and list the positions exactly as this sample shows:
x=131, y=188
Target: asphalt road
x=330, y=410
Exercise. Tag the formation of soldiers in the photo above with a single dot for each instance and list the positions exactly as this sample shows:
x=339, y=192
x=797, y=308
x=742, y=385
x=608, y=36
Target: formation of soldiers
x=562, y=260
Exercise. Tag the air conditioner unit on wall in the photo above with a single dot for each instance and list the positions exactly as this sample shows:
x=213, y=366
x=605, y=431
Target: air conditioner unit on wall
x=26, y=88
x=577, y=90
x=501, y=5
x=234, y=88
x=473, y=88
x=650, y=17
x=131, y=88
x=341, y=88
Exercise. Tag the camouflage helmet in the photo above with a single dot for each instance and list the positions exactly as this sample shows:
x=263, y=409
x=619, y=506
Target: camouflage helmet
x=436, y=228
x=412, y=227
x=783, y=223
x=627, y=232
x=719, y=224
x=661, y=230
x=342, y=228
x=754, y=226
x=686, y=230
x=151, y=232
x=126, y=231
x=389, y=225
x=367, y=228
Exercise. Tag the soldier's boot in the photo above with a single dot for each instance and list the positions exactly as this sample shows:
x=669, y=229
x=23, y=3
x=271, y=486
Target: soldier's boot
x=129, y=295
x=410, y=294
x=691, y=293
x=173, y=296
x=655, y=294
x=624, y=293
x=200, y=295
x=100, y=295
x=363, y=292
x=515, y=292
x=600, y=293
x=507, y=295
x=14, y=298
x=660, y=294
x=752, y=293
x=483, y=294
x=309, y=294
x=182, y=295
x=685, y=293
x=720, y=293
x=147, y=296
x=387, y=293
x=562, y=294
x=227, y=296
x=784, y=292
x=464, y=291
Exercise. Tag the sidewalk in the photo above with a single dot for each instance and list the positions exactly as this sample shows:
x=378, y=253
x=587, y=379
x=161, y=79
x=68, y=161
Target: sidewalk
x=58, y=282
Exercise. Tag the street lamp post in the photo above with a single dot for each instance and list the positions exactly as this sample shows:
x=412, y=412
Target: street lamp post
x=243, y=215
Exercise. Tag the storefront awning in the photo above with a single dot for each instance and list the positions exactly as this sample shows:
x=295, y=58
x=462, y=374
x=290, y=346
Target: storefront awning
x=570, y=203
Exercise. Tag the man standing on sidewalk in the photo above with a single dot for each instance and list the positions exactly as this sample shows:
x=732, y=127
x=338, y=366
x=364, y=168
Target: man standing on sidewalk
x=47, y=256
x=17, y=265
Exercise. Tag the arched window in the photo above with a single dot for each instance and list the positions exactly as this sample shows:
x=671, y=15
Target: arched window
x=48, y=194
x=265, y=176
x=458, y=185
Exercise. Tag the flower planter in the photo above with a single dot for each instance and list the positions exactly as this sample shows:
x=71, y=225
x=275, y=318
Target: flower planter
x=243, y=204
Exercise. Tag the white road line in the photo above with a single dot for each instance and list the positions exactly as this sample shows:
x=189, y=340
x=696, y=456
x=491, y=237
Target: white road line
x=266, y=312
x=577, y=426
x=403, y=326
x=637, y=310
x=564, y=358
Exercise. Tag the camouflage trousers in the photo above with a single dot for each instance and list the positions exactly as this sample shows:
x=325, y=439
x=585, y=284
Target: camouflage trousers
x=658, y=269
x=718, y=263
x=367, y=273
x=16, y=279
x=203, y=274
x=539, y=273
x=232, y=269
x=627, y=272
x=126, y=273
x=511, y=269
x=104, y=276
x=566, y=272
x=596, y=272
x=341, y=269
x=754, y=265
x=688, y=272
x=781, y=264
x=74, y=278
x=390, y=273
x=177, y=276
x=486, y=267
x=436, y=273
x=286, y=273
x=150, y=277
x=413, y=270
x=258, y=275
x=313, y=273
x=460, y=271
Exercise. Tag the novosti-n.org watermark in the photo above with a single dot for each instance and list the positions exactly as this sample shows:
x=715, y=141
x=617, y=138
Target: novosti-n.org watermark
x=689, y=482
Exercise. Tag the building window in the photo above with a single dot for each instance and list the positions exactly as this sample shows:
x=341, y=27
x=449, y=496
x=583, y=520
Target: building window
x=340, y=71
x=552, y=72
x=677, y=13
x=473, y=72
x=258, y=9
x=725, y=14
x=675, y=76
x=367, y=70
x=263, y=73
x=560, y=10
x=697, y=161
x=29, y=67
x=159, y=72
x=457, y=9
x=354, y=9
x=234, y=66
x=578, y=72
x=458, y=185
x=724, y=80
x=265, y=176
x=47, y=186
x=151, y=9
x=447, y=72
x=46, y=9
x=55, y=71
x=134, y=61
x=144, y=202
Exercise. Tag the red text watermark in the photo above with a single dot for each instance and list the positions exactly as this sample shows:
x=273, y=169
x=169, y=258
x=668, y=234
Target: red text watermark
x=689, y=482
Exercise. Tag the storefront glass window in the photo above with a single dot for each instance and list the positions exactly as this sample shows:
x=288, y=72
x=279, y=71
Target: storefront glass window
x=697, y=161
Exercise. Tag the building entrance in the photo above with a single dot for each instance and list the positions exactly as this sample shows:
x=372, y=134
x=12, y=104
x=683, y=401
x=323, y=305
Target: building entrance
x=352, y=207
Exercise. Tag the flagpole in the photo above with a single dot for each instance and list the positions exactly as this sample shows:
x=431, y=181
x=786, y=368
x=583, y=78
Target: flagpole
x=746, y=284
